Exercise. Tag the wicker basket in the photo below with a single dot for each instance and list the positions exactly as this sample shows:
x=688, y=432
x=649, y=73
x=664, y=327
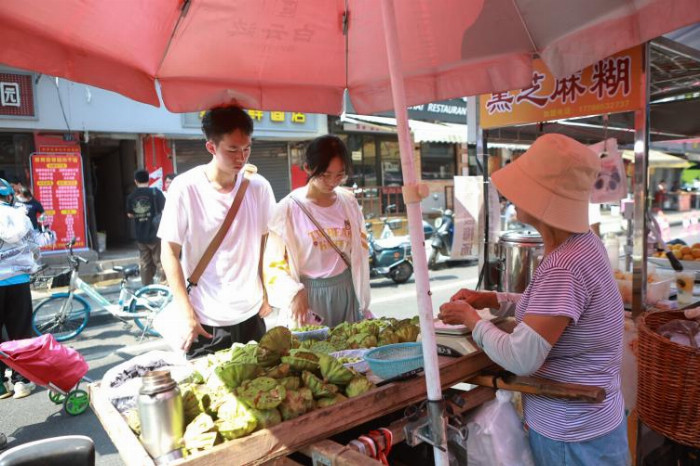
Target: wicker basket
x=668, y=397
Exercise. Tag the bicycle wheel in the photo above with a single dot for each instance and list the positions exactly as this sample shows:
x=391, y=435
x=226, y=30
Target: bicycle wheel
x=47, y=317
x=150, y=299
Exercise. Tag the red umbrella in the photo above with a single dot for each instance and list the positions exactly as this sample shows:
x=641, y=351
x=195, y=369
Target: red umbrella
x=300, y=55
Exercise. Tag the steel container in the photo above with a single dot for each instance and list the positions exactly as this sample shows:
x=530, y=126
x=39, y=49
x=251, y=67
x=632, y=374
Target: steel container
x=162, y=416
x=519, y=253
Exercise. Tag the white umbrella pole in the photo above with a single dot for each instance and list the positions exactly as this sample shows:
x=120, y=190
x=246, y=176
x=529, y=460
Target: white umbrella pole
x=415, y=228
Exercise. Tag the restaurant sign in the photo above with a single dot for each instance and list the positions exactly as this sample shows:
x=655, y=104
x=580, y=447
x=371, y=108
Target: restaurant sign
x=610, y=86
x=16, y=95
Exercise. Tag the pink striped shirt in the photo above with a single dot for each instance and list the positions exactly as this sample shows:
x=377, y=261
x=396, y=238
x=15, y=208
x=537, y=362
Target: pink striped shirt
x=576, y=281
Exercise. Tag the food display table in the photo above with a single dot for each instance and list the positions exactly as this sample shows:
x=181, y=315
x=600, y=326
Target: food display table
x=295, y=434
x=310, y=433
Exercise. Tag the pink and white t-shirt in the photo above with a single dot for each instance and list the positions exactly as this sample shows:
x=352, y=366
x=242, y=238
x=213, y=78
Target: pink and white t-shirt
x=318, y=259
x=576, y=281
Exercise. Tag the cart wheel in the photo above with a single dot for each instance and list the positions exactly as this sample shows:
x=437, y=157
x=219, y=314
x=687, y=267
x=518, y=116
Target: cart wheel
x=76, y=402
x=57, y=398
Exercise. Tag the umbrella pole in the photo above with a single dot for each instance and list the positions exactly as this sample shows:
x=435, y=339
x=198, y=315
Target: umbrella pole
x=412, y=199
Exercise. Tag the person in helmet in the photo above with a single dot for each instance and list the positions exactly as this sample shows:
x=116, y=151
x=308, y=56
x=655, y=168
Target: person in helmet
x=19, y=243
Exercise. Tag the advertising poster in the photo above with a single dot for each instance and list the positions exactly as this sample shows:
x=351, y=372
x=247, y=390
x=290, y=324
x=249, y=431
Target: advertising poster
x=57, y=182
x=469, y=212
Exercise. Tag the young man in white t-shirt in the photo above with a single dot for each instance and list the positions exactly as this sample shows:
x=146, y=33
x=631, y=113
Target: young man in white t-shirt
x=228, y=302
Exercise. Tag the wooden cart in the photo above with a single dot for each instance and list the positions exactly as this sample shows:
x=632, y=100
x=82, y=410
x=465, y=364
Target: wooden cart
x=309, y=433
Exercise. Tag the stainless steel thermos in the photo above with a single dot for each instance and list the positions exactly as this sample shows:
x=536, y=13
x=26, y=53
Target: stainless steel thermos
x=162, y=416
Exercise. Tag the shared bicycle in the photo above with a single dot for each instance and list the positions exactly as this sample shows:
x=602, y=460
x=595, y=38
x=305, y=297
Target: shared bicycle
x=66, y=314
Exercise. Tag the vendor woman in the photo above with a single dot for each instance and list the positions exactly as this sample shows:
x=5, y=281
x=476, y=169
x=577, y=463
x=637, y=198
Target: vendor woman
x=570, y=318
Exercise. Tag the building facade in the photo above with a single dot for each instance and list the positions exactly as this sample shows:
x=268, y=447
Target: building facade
x=111, y=136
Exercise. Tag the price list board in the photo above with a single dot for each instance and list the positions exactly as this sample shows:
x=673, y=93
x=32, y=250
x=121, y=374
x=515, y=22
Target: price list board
x=58, y=184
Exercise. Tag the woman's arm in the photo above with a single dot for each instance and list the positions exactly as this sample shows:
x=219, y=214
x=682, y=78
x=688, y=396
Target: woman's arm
x=281, y=287
x=522, y=352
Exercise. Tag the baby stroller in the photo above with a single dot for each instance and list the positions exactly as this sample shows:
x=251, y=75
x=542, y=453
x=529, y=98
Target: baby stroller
x=49, y=364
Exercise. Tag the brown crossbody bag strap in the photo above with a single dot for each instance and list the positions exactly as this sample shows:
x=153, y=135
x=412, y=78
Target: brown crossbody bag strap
x=219, y=236
x=323, y=232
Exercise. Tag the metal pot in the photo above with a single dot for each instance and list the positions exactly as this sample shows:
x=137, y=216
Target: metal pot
x=519, y=253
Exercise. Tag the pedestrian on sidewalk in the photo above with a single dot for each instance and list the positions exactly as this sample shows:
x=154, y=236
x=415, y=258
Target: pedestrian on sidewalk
x=18, y=244
x=145, y=206
x=32, y=207
x=227, y=303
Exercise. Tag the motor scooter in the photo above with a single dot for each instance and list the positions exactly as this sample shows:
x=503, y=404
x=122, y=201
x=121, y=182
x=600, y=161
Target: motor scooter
x=441, y=242
x=390, y=257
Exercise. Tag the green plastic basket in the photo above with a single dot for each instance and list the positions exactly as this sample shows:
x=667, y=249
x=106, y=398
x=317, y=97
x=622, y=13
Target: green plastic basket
x=392, y=360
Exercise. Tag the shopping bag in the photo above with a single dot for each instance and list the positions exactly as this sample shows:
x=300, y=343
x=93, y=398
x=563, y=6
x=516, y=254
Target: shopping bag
x=43, y=360
x=169, y=324
x=496, y=435
x=610, y=185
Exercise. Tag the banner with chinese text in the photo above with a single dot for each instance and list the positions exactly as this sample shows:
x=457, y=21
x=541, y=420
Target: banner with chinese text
x=57, y=181
x=609, y=86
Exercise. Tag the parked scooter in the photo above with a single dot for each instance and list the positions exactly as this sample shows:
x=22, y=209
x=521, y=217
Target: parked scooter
x=391, y=258
x=390, y=255
x=441, y=243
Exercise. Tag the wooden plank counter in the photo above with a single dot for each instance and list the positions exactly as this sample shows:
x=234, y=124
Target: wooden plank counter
x=290, y=436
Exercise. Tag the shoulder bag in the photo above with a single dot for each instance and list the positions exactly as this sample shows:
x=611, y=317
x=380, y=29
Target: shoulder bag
x=343, y=256
x=169, y=328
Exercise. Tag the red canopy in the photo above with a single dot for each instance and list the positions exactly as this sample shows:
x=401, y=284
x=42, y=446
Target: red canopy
x=295, y=55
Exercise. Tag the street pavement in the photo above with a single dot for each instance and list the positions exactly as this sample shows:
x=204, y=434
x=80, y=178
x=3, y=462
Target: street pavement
x=107, y=342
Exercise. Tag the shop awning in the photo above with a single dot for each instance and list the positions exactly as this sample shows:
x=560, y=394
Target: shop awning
x=423, y=131
x=658, y=159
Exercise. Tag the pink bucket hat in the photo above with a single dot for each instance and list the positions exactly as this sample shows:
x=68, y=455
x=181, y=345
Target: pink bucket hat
x=552, y=181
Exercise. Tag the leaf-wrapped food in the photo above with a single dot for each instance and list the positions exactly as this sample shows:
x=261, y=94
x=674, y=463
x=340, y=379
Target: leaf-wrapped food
x=333, y=371
x=261, y=393
x=358, y=386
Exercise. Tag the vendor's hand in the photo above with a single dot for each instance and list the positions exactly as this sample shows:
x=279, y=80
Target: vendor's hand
x=478, y=299
x=265, y=309
x=193, y=326
x=300, y=307
x=459, y=313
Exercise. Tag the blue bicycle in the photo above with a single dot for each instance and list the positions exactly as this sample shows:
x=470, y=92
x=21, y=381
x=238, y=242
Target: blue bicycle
x=65, y=315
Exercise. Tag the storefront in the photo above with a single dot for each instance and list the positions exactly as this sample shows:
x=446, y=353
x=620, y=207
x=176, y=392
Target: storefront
x=439, y=133
x=113, y=136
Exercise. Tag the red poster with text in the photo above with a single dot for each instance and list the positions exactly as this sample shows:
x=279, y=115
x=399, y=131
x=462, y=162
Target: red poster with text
x=57, y=181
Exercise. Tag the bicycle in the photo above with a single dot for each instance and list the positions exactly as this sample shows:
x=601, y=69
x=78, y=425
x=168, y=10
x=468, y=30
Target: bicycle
x=65, y=315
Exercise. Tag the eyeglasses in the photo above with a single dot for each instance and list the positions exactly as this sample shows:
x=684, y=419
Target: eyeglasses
x=339, y=178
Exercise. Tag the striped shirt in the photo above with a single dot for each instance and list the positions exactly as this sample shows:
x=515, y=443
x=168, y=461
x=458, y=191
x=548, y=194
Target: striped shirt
x=576, y=281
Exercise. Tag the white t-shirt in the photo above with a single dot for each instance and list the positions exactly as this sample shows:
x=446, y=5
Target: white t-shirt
x=230, y=290
x=318, y=258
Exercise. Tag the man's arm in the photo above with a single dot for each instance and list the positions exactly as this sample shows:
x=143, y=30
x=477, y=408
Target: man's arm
x=169, y=258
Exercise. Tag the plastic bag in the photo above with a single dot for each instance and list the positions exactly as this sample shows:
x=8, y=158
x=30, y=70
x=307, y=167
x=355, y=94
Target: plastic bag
x=611, y=183
x=693, y=313
x=121, y=384
x=683, y=332
x=168, y=324
x=496, y=435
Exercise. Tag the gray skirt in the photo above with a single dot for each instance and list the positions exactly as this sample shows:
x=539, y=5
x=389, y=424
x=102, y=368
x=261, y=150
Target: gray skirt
x=333, y=298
